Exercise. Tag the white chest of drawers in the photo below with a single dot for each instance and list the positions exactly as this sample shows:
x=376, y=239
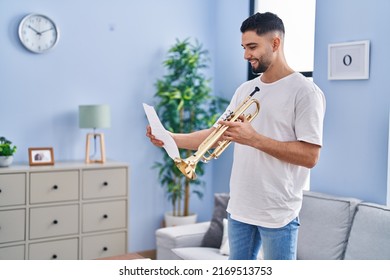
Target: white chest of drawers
x=65, y=211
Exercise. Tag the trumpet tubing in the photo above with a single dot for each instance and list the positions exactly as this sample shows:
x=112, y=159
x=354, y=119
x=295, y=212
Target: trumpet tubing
x=187, y=166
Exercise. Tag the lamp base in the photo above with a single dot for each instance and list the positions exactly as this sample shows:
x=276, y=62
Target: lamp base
x=88, y=158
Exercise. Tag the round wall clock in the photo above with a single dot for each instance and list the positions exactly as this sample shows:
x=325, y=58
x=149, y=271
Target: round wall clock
x=38, y=33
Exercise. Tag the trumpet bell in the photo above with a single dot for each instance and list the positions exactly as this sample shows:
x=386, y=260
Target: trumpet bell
x=187, y=167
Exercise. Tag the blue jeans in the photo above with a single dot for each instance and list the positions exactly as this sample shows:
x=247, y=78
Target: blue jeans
x=245, y=241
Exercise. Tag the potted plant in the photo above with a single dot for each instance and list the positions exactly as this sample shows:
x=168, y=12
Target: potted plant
x=7, y=151
x=185, y=104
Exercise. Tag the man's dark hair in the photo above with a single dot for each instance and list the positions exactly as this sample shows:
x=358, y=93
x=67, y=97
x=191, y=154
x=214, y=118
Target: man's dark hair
x=263, y=23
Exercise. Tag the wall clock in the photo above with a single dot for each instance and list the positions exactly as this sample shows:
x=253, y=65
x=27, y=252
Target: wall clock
x=38, y=33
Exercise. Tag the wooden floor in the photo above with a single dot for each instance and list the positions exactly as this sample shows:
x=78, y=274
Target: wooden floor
x=151, y=254
x=133, y=256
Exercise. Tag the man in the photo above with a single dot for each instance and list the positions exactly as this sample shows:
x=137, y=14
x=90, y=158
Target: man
x=274, y=152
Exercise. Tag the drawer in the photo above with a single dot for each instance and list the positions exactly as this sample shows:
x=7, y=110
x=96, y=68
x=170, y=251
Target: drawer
x=12, y=189
x=55, y=250
x=12, y=225
x=54, y=221
x=106, y=245
x=104, y=183
x=54, y=186
x=12, y=253
x=104, y=215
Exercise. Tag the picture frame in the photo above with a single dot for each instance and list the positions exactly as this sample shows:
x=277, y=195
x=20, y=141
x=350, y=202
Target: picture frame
x=41, y=156
x=349, y=61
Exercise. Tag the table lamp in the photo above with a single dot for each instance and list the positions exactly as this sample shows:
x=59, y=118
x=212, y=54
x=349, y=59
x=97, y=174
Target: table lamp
x=95, y=116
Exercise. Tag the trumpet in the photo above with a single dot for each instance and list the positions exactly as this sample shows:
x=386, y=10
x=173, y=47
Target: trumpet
x=187, y=166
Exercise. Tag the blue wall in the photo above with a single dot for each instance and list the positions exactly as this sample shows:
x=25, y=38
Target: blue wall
x=354, y=157
x=111, y=51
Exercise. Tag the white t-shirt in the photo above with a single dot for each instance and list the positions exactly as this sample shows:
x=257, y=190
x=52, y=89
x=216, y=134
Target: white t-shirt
x=265, y=191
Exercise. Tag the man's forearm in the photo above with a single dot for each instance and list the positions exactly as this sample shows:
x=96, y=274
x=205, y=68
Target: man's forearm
x=294, y=152
x=191, y=141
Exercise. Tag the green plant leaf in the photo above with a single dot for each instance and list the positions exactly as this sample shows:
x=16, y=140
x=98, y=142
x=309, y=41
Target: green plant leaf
x=6, y=147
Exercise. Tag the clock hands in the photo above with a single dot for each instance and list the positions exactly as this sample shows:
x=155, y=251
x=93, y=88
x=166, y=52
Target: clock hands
x=39, y=33
x=47, y=30
x=36, y=31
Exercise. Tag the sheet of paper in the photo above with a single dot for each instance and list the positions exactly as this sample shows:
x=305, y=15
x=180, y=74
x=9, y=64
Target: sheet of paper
x=160, y=132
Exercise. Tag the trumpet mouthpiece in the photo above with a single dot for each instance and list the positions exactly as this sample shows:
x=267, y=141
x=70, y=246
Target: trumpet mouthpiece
x=254, y=91
x=186, y=167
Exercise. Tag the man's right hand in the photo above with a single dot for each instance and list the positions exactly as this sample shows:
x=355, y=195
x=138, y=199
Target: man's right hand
x=152, y=138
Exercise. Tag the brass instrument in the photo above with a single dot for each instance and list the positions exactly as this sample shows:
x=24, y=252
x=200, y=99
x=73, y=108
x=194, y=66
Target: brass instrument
x=187, y=166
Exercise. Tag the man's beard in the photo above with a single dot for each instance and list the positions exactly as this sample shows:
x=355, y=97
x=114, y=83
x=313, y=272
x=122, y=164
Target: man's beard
x=261, y=68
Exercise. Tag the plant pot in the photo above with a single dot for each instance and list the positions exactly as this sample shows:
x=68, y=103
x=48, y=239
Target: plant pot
x=6, y=161
x=171, y=221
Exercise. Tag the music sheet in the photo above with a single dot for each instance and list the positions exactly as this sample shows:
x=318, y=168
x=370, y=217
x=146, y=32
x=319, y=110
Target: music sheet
x=160, y=132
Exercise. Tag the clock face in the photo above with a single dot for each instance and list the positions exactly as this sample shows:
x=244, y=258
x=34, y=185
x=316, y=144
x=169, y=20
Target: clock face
x=38, y=33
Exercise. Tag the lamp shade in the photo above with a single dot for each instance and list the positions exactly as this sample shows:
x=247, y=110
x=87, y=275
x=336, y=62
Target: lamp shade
x=94, y=116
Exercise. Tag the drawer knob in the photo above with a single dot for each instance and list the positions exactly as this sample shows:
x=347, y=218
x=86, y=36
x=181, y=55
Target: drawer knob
x=105, y=184
x=54, y=257
x=105, y=216
x=55, y=187
x=0, y=190
x=55, y=222
x=105, y=249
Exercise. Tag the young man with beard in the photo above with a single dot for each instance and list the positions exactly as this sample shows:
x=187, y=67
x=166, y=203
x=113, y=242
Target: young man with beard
x=273, y=153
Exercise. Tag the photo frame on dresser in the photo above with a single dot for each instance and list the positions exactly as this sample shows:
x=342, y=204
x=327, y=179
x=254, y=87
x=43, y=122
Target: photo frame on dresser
x=41, y=156
x=349, y=61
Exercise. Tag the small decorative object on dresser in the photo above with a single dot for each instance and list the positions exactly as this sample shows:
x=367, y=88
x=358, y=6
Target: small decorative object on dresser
x=7, y=150
x=41, y=156
x=65, y=212
x=95, y=116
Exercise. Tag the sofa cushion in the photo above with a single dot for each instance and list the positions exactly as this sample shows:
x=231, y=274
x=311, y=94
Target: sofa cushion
x=370, y=233
x=213, y=236
x=225, y=249
x=179, y=236
x=198, y=253
x=325, y=224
